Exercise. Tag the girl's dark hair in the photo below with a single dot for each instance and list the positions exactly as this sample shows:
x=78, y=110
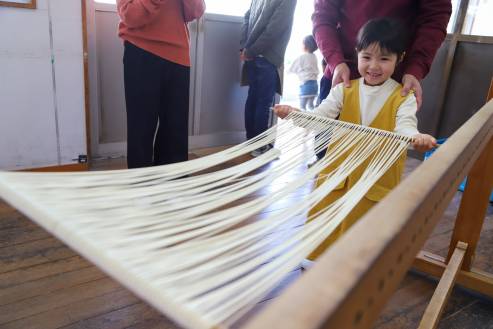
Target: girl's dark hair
x=388, y=33
x=310, y=43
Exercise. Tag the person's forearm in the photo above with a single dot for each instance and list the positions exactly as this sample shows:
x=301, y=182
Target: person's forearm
x=406, y=122
x=295, y=66
x=325, y=19
x=244, y=30
x=431, y=30
x=137, y=13
x=331, y=106
x=280, y=21
x=193, y=9
x=326, y=109
x=328, y=43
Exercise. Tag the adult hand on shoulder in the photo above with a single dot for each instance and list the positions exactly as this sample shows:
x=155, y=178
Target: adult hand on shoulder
x=409, y=83
x=341, y=74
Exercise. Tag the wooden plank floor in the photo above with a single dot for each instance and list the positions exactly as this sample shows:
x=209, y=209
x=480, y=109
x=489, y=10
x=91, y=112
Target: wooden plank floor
x=44, y=284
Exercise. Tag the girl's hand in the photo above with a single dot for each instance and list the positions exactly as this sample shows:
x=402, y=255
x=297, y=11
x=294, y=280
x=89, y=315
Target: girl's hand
x=424, y=142
x=282, y=111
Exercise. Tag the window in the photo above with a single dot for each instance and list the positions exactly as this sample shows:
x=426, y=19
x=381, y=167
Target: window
x=224, y=7
x=453, y=18
x=478, y=18
x=302, y=26
x=227, y=7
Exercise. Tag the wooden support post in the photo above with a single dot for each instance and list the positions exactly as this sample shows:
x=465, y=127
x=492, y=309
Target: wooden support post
x=474, y=205
x=439, y=299
x=490, y=92
x=87, y=100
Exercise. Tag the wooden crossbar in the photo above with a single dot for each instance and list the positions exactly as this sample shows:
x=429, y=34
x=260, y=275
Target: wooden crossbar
x=475, y=280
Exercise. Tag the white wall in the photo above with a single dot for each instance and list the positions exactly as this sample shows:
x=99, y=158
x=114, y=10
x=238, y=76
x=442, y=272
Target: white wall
x=216, y=98
x=42, y=116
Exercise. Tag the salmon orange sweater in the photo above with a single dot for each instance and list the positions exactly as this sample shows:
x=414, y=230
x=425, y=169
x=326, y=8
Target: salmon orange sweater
x=159, y=26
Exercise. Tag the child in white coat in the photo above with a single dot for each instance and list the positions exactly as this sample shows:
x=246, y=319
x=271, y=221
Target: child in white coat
x=306, y=68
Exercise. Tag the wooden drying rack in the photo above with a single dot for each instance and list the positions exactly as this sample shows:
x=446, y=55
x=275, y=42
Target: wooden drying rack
x=352, y=281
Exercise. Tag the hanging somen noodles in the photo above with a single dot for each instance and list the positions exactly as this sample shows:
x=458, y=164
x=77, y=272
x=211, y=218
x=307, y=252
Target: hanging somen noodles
x=182, y=238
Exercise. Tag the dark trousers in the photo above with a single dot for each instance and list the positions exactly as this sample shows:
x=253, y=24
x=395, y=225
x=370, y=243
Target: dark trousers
x=156, y=95
x=262, y=80
x=325, y=86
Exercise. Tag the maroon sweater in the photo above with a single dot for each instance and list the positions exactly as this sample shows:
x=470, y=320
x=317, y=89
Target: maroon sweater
x=336, y=24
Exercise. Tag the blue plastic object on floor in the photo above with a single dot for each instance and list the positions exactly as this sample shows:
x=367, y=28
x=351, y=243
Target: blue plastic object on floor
x=462, y=185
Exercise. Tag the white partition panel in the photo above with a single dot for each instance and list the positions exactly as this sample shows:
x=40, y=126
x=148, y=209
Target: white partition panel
x=219, y=99
x=69, y=81
x=42, y=117
x=27, y=118
x=110, y=72
x=216, y=99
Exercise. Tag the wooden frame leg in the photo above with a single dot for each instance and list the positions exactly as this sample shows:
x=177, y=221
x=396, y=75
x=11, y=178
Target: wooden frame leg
x=439, y=299
x=474, y=205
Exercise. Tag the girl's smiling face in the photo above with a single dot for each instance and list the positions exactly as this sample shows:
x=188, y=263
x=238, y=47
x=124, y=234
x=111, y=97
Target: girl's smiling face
x=376, y=65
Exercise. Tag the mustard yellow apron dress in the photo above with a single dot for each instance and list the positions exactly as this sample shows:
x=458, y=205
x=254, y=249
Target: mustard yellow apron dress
x=384, y=120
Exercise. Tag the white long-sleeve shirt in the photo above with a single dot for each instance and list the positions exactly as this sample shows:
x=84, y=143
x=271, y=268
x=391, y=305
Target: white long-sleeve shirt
x=371, y=100
x=305, y=67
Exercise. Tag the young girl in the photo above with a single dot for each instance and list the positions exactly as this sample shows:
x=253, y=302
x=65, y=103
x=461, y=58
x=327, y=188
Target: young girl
x=306, y=68
x=373, y=100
